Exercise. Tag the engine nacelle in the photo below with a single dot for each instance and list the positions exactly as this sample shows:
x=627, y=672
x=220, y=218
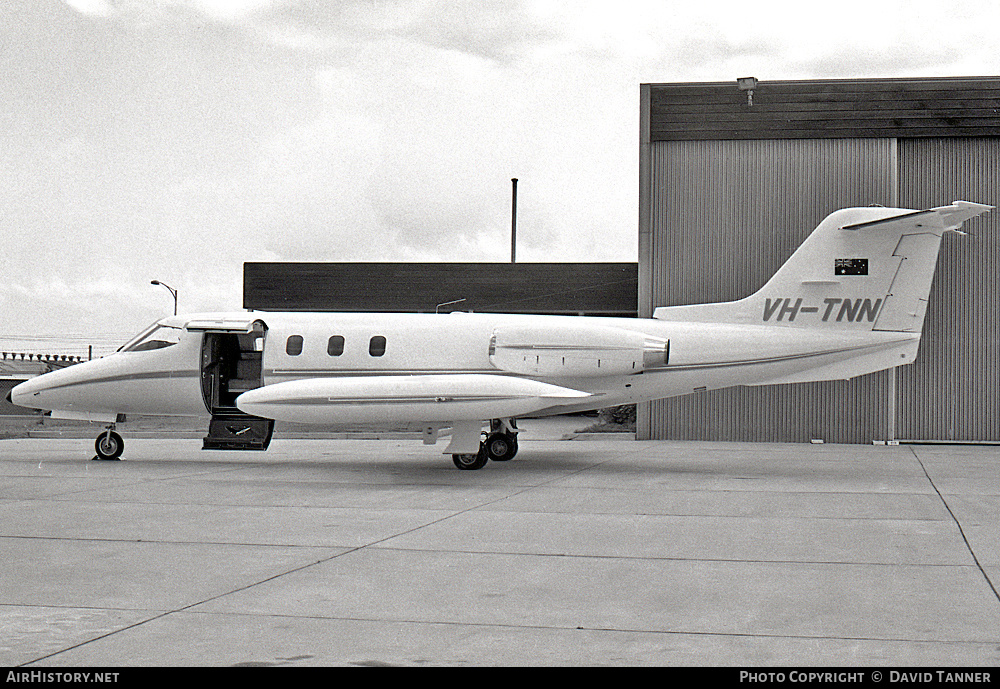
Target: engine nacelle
x=576, y=351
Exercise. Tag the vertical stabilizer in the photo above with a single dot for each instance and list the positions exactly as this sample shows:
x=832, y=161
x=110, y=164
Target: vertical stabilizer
x=861, y=269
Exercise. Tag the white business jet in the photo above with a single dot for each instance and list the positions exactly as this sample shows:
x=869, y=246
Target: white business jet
x=849, y=301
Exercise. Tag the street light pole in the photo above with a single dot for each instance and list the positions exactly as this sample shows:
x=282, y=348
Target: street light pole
x=173, y=292
x=513, y=219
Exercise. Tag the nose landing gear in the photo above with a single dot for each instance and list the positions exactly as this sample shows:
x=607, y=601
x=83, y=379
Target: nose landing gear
x=109, y=445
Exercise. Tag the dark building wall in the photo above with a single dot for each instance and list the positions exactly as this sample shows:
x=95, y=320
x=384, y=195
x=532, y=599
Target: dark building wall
x=608, y=289
x=6, y=408
x=841, y=109
x=728, y=191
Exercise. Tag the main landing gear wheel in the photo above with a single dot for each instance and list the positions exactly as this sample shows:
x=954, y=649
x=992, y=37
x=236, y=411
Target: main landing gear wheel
x=109, y=446
x=501, y=447
x=470, y=461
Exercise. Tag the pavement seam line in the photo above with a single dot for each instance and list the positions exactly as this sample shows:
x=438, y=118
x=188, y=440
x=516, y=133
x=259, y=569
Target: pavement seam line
x=961, y=531
x=188, y=607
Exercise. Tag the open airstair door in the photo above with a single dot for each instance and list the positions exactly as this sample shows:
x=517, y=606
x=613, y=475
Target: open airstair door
x=231, y=363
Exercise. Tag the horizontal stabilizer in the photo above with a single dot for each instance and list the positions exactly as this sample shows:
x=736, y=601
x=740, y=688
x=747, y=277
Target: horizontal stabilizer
x=943, y=217
x=960, y=211
x=906, y=221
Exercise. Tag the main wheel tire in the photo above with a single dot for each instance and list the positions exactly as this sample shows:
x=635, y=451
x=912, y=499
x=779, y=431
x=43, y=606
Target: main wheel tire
x=109, y=446
x=470, y=462
x=501, y=447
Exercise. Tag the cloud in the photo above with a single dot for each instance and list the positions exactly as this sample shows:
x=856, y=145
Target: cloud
x=899, y=60
x=175, y=139
x=100, y=8
x=491, y=29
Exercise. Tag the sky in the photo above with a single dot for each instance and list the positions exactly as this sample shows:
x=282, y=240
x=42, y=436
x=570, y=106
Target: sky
x=175, y=139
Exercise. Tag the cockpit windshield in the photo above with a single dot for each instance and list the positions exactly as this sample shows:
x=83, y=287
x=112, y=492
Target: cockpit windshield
x=155, y=336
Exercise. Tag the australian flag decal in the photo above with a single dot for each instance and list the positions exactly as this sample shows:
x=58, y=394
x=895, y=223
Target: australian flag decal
x=850, y=266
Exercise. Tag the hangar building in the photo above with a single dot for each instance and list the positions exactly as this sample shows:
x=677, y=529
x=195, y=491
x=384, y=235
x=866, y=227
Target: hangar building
x=730, y=186
x=591, y=289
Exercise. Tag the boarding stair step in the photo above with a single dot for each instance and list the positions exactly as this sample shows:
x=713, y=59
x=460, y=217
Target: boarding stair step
x=231, y=429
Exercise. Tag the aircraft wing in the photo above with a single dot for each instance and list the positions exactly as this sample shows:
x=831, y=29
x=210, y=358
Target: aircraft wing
x=394, y=398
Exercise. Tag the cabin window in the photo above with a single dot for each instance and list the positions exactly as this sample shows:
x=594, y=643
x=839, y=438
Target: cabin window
x=335, y=345
x=293, y=347
x=376, y=347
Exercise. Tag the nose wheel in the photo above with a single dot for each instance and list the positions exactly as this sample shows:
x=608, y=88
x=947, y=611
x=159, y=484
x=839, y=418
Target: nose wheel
x=109, y=445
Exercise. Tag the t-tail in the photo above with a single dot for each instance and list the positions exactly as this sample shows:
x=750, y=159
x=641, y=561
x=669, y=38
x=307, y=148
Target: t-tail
x=862, y=278
x=861, y=269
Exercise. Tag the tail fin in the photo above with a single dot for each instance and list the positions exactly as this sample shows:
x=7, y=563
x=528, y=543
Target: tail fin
x=860, y=269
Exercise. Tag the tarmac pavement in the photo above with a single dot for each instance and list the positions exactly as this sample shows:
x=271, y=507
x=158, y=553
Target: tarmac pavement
x=606, y=552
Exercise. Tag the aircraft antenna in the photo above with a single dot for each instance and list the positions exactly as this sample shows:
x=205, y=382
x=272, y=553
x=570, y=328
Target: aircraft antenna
x=455, y=301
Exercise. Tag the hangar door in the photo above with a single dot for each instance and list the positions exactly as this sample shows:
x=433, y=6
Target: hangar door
x=724, y=216
x=952, y=390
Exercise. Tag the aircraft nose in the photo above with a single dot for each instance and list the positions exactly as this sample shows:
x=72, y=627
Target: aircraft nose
x=31, y=393
x=18, y=390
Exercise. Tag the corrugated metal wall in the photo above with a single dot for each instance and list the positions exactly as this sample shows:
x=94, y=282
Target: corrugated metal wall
x=725, y=215
x=951, y=390
x=729, y=190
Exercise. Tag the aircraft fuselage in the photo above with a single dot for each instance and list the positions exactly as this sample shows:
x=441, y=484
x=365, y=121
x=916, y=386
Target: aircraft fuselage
x=612, y=360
